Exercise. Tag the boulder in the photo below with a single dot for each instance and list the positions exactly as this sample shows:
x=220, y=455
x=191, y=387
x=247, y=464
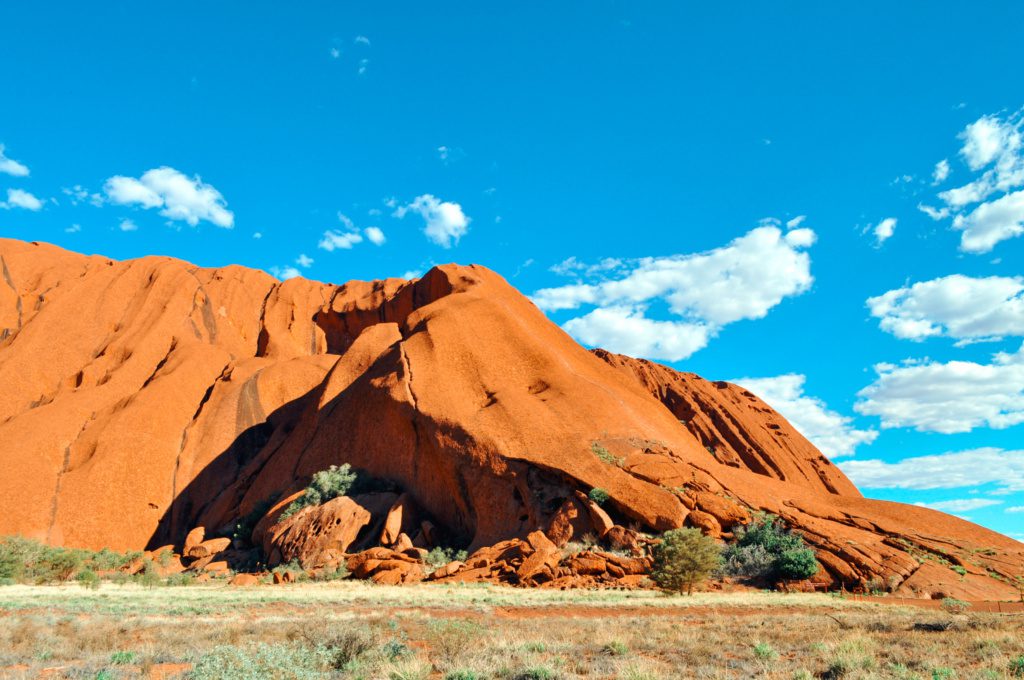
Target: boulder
x=194, y=538
x=208, y=547
x=600, y=520
x=316, y=535
x=244, y=580
x=401, y=518
x=543, y=558
x=570, y=520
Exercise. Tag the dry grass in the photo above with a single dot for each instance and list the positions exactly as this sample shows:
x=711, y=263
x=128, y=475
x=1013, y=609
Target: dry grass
x=356, y=630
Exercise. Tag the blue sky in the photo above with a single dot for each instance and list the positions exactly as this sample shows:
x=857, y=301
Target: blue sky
x=748, y=191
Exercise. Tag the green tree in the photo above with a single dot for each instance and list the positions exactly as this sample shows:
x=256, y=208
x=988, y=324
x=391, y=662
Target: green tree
x=684, y=559
x=325, y=485
x=765, y=549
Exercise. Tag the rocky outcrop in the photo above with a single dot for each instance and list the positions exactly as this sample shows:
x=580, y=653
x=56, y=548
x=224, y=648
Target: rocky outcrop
x=148, y=397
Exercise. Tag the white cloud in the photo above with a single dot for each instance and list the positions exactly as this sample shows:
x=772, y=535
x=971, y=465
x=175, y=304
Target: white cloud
x=445, y=221
x=18, y=198
x=884, y=230
x=375, y=235
x=9, y=166
x=961, y=504
x=627, y=330
x=284, y=273
x=796, y=221
x=1016, y=508
x=934, y=213
x=127, y=225
x=992, y=147
x=304, y=261
x=362, y=40
x=442, y=152
x=954, y=306
x=742, y=280
x=79, y=194
x=957, y=396
x=987, y=139
x=74, y=229
x=962, y=469
x=333, y=240
x=991, y=223
x=179, y=197
x=572, y=266
x=364, y=64
x=257, y=235
x=335, y=53
x=833, y=433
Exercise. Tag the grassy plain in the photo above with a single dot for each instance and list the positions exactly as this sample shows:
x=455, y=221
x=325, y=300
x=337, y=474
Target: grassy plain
x=358, y=630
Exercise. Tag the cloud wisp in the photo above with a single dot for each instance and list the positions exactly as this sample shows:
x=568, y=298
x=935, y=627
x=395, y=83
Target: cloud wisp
x=704, y=292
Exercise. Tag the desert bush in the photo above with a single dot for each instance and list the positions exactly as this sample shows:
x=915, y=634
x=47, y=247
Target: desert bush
x=765, y=652
x=88, y=579
x=747, y=561
x=440, y=556
x=1017, y=667
x=606, y=456
x=615, y=648
x=325, y=485
x=463, y=675
x=255, y=662
x=954, y=606
x=122, y=658
x=598, y=495
x=182, y=579
x=766, y=550
x=339, y=648
x=450, y=639
x=684, y=559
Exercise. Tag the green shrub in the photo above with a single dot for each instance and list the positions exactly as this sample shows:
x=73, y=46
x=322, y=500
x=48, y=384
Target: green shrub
x=954, y=606
x=960, y=570
x=181, y=579
x=325, y=485
x=463, y=675
x=535, y=673
x=615, y=648
x=88, y=578
x=1017, y=667
x=683, y=559
x=606, y=456
x=440, y=556
x=765, y=652
x=122, y=658
x=943, y=674
x=255, y=662
x=598, y=495
x=766, y=550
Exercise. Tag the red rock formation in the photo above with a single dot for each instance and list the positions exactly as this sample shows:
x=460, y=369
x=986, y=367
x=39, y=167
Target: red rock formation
x=148, y=397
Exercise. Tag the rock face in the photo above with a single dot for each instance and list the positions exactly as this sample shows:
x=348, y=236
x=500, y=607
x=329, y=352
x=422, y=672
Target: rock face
x=148, y=397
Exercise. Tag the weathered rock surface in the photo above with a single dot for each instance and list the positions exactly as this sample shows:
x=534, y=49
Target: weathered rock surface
x=148, y=397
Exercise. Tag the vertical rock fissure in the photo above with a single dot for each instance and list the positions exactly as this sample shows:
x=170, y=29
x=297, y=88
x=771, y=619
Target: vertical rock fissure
x=407, y=370
x=60, y=478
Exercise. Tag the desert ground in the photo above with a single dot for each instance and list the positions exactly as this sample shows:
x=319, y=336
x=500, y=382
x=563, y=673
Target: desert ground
x=459, y=632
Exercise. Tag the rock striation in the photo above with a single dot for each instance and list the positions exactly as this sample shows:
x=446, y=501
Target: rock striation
x=146, y=398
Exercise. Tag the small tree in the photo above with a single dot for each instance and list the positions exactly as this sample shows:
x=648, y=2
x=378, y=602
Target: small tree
x=683, y=559
x=598, y=495
x=325, y=485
